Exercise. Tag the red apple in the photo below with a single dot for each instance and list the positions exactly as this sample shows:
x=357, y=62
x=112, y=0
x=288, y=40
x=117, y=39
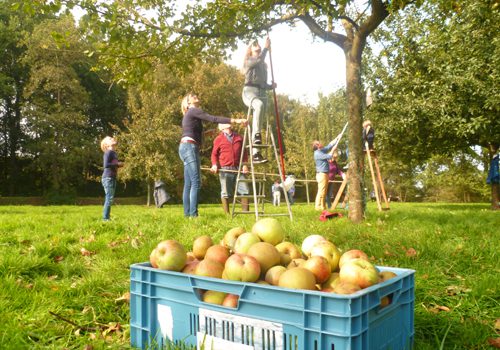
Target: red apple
x=231, y=300
x=319, y=266
x=190, y=267
x=266, y=254
x=329, y=251
x=244, y=241
x=386, y=275
x=152, y=258
x=218, y=253
x=352, y=254
x=209, y=268
x=214, y=297
x=242, y=267
x=297, y=278
x=231, y=236
x=170, y=255
x=359, y=272
x=273, y=274
x=311, y=241
x=200, y=246
x=288, y=251
x=346, y=288
x=269, y=230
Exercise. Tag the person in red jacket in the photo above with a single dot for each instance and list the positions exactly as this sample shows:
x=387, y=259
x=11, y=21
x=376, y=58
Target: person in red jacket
x=226, y=155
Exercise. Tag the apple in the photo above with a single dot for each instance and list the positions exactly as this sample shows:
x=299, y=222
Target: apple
x=200, y=246
x=231, y=236
x=309, y=242
x=218, y=253
x=266, y=254
x=170, y=255
x=359, y=272
x=190, y=267
x=331, y=282
x=190, y=257
x=242, y=267
x=269, y=230
x=209, y=268
x=231, y=300
x=244, y=241
x=319, y=266
x=385, y=301
x=329, y=251
x=214, y=297
x=273, y=274
x=152, y=258
x=262, y=282
x=386, y=275
x=297, y=278
x=295, y=263
x=346, y=288
x=352, y=254
x=288, y=251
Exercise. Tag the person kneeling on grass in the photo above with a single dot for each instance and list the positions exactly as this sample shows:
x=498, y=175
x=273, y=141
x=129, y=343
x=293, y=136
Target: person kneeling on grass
x=110, y=165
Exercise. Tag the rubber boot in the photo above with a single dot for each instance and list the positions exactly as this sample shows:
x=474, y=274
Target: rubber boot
x=244, y=204
x=225, y=205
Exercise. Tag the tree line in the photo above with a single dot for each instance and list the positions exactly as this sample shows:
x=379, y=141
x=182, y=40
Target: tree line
x=65, y=85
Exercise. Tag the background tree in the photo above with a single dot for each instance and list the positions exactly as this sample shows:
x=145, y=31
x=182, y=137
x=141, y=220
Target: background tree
x=436, y=79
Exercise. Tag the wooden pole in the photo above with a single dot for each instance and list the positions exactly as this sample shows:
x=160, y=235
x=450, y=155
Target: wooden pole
x=339, y=193
x=374, y=181
x=380, y=181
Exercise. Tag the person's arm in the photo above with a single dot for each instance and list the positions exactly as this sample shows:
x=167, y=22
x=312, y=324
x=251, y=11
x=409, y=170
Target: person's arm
x=215, y=155
x=200, y=114
x=253, y=61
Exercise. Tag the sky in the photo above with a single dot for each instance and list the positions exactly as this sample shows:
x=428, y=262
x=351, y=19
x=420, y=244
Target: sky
x=302, y=67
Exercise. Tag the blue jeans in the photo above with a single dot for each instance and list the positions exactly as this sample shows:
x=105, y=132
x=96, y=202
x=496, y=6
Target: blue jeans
x=189, y=154
x=109, y=185
x=258, y=98
x=228, y=182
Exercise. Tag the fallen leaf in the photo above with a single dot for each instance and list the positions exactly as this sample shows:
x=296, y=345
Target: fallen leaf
x=438, y=308
x=411, y=252
x=135, y=243
x=425, y=276
x=51, y=278
x=388, y=253
x=497, y=325
x=454, y=290
x=112, y=327
x=88, y=347
x=86, y=252
x=495, y=342
x=125, y=297
x=58, y=258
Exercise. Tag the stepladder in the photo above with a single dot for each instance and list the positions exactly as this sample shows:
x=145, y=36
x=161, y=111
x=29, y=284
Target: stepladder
x=258, y=176
x=377, y=183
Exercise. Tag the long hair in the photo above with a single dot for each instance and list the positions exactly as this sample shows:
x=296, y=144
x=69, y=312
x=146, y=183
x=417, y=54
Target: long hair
x=185, y=103
x=248, y=53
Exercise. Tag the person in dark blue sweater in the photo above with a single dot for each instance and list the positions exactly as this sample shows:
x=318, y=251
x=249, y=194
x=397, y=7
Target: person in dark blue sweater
x=110, y=165
x=189, y=148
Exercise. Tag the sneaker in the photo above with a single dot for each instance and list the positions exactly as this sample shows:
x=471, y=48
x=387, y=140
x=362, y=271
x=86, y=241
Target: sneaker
x=257, y=139
x=258, y=159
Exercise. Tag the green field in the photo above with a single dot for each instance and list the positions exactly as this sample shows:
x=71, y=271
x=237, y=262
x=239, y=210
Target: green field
x=63, y=272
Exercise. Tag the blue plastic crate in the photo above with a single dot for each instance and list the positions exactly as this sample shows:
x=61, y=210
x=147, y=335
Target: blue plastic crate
x=165, y=304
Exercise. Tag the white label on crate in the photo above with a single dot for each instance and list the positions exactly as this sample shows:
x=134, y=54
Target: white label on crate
x=207, y=342
x=166, y=321
x=239, y=330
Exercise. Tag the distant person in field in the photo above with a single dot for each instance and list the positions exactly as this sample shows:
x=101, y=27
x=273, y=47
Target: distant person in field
x=110, y=165
x=189, y=148
x=255, y=90
x=276, y=190
x=368, y=135
x=333, y=170
x=226, y=155
x=321, y=157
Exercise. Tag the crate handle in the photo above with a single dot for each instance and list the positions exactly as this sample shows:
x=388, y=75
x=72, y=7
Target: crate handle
x=388, y=300
x=201, y=284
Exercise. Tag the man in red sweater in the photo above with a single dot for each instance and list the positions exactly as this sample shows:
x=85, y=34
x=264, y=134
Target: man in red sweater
x=226, y=155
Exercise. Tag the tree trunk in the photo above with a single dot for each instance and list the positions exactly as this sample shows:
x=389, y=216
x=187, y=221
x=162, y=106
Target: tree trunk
x=149, y=192
x=356, y=157
x=495, y=188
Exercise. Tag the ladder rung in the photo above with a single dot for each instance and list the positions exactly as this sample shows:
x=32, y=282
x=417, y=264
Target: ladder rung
x=249, y=196
x=248, y=212
x=250, y=180
x=276, y=214
x=259, y=146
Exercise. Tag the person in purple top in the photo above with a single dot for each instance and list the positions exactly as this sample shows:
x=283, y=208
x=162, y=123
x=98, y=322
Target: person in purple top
x=189, y=148
x=334, y=170
x=110, y=165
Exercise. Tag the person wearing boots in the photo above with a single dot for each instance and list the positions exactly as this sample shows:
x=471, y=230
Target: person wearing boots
x=226, y=155
x=255, y=90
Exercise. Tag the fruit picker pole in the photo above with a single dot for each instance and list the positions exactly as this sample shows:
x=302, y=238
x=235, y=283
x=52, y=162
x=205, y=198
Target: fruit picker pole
x=339, y=137
x=276, y=113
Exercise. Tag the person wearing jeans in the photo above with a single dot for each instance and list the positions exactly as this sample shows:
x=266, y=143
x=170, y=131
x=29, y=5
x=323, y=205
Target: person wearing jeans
x=108, y=180
x=321, y=157
x=189, y=149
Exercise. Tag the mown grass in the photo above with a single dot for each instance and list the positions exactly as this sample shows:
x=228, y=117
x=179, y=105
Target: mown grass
x=63, y=271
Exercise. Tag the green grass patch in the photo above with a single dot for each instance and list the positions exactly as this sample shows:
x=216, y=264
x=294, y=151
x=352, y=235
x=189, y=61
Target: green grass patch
x=63, y=270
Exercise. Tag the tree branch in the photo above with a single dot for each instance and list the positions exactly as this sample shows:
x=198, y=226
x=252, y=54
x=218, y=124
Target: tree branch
x=336, y=38
x=379, y=13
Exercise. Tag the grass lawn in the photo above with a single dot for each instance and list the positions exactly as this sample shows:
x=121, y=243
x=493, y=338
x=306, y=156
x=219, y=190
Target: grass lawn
x=63, y=272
